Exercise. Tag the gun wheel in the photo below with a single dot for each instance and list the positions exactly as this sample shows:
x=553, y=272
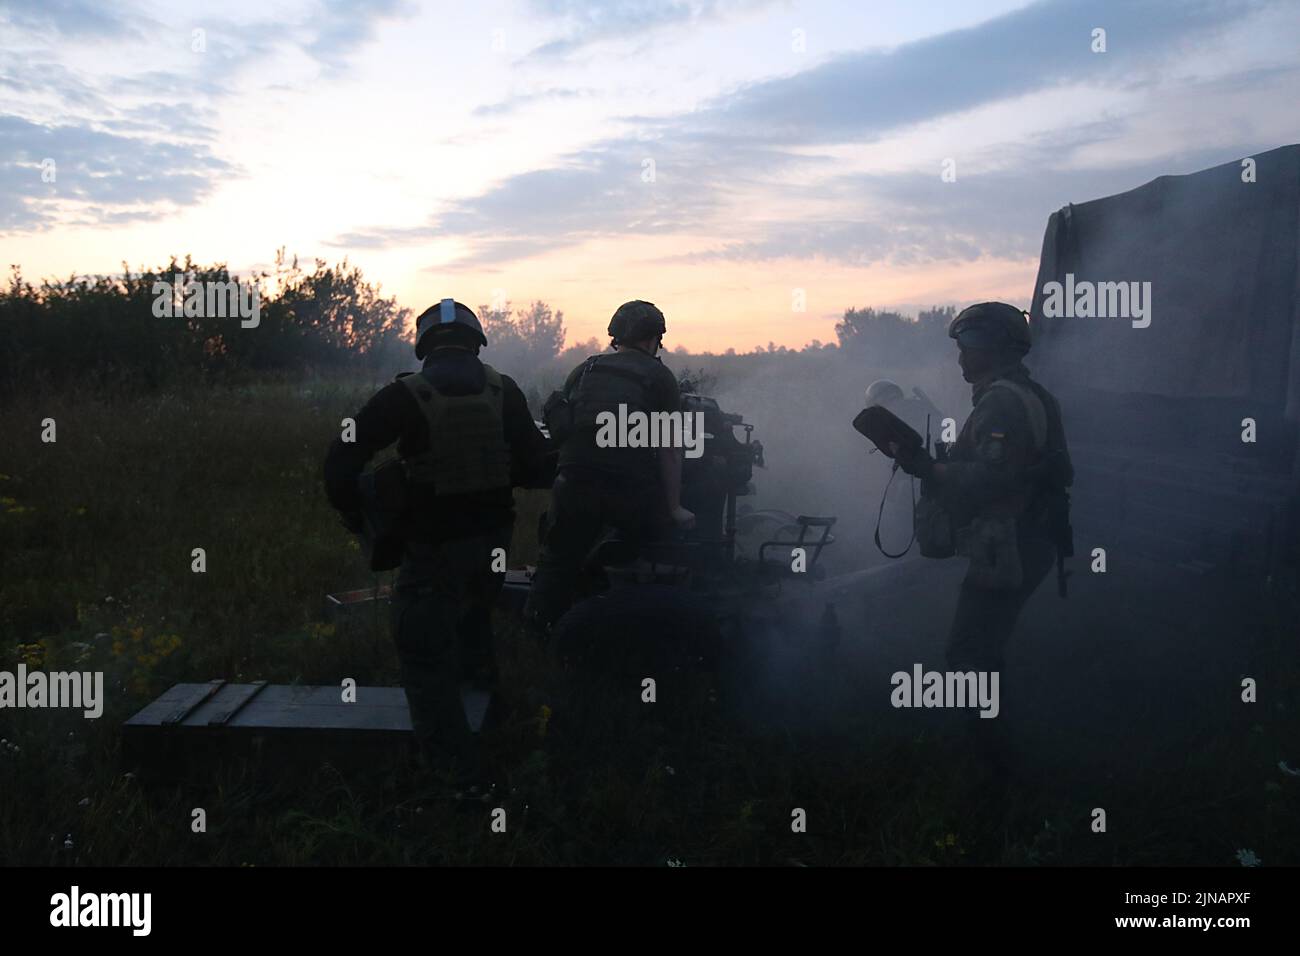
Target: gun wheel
x=610, y=644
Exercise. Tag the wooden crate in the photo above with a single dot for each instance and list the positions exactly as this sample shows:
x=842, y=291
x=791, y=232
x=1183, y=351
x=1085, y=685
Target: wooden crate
x=275, y=725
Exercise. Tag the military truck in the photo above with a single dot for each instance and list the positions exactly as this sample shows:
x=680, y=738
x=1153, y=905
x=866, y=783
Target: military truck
x=1185, y=424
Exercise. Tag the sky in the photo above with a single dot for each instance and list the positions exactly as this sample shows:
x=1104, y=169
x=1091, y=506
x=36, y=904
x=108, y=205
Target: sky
x=754, y=168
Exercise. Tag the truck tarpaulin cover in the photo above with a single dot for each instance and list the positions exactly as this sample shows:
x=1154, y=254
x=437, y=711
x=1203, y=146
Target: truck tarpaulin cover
x=1221, y=256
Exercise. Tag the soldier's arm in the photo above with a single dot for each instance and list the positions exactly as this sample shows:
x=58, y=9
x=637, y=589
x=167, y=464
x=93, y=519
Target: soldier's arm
x=1002, y=445
x=667, y=398
x=527, y=444
x=378, y=425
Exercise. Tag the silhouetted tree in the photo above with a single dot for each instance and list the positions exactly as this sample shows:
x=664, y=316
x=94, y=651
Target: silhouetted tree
x=521, y=344
x=121, y=330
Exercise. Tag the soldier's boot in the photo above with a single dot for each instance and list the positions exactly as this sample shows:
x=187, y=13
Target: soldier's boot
x=424, y=626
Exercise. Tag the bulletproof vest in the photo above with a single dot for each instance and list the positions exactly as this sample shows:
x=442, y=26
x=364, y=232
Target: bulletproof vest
x=987, y=537
x=1049, y=471
x=1053, y=467
x=1034, y=408
x=467, y=449
x=607, y=382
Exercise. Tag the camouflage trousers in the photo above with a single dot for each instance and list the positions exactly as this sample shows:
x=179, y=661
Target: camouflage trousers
x=442, y=625
x=985, y=619
x=981, y=628
x=582, y=507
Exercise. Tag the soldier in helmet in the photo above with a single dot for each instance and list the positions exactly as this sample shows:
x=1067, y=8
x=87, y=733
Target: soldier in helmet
x=1003, y=484
x=636, y=491
x=898, y=503
x=916, y=411
x=466, y=437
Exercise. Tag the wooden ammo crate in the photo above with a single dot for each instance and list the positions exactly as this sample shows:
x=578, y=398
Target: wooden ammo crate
x=275, y=725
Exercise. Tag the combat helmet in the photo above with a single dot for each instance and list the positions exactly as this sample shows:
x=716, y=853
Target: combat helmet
x=882, y=392
x=636, y=320
x=446, y=314
x=991, y=325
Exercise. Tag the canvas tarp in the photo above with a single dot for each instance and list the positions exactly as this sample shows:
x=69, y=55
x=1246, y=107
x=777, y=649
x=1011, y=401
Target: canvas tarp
x=1222, y=256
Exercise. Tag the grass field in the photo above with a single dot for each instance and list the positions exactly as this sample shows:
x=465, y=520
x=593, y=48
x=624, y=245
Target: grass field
x=97, y=531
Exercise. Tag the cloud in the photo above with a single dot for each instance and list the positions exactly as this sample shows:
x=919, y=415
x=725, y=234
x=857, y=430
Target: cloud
x=863, y=95
x=518, y=101
x=159, y=119
x=585, y=22
x=119, y=139
x=328, y=32
x=711, y=163
x=598, y=193
x=74, y=18
x=338, y=28
x=97, y=171
x=17, y=212
x=903, y=218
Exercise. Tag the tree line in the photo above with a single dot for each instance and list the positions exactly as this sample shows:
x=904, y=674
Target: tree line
x=110, y=331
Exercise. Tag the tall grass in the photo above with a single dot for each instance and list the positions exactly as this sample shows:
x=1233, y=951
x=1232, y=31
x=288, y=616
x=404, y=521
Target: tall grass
x=97, y=531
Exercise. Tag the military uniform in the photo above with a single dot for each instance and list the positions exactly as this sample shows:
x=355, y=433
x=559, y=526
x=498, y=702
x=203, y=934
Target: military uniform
x=598, y=488
x=466, y=437
x=993, y=489
x=1001, y=488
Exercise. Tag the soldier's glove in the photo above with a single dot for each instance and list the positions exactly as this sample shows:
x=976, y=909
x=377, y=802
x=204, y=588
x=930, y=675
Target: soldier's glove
x=353, y=521
x=915, y=461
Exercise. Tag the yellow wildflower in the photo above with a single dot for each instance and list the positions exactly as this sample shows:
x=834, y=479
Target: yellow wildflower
x=33, y=655
x=543, y=719
x=164, y=644
x=949, y=842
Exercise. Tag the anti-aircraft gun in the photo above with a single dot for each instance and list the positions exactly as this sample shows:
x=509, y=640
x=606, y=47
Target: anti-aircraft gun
x=705, y=598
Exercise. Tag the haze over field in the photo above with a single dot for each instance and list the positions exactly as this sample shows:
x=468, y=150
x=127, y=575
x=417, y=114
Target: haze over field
x=711, y=156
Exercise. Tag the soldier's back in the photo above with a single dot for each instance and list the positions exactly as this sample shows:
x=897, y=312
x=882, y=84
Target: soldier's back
x=618, y=383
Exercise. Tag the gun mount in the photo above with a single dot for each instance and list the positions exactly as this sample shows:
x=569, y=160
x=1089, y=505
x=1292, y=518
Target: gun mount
x=697, y=599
